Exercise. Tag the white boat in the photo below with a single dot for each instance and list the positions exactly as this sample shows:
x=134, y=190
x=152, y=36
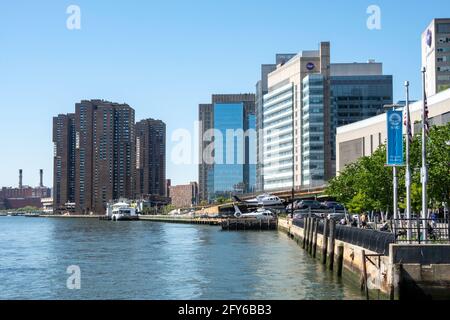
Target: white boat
x=32, y=215
x=122, y=211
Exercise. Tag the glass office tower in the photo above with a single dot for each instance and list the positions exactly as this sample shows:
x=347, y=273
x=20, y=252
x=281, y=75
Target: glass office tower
x=229, y=149
x=232, y=167
x=313, y=157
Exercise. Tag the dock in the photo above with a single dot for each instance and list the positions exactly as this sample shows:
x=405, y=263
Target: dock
x=185, y=220
x=234, y=224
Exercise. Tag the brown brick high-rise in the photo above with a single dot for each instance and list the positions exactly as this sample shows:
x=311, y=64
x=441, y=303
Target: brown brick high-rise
x=63, y=160
x=104, y=155
x=150, y=158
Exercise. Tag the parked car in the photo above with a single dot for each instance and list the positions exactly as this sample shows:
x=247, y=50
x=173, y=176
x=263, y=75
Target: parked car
x=336, y=216
x=332, y=205
x=289, y=206
x=306, y=204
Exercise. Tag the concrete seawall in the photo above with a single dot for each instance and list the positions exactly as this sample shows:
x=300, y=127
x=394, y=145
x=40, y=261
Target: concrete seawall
x=408, y=272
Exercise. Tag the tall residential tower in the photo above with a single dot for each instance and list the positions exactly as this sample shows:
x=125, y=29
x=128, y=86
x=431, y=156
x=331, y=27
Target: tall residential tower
x=150, y=158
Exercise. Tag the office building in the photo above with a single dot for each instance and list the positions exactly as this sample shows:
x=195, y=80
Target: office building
x=358, y=91
x=227, y=146
x=150, y=158
x=362, y=138
x=261, y=90
x=282, y=117
x=184, y=196
x=308, y=98
x=436, y=55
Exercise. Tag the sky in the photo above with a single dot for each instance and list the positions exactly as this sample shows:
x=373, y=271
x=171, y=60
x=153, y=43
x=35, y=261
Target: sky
x=163, y=58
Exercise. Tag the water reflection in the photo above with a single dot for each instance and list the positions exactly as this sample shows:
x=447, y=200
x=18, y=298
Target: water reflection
x=145, y=260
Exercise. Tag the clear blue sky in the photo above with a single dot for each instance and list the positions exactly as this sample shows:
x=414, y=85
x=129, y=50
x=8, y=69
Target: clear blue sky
x=165, y=57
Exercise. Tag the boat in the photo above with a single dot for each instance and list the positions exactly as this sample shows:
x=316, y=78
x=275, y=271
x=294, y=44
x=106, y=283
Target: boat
x=32, y=215
x=122, y=211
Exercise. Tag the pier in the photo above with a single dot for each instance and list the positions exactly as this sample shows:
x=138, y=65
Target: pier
x=374, y=260
x=185, y=220
x=234, y=224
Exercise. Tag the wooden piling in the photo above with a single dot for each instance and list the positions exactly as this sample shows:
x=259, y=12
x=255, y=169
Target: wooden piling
x=305, y=227
x=316, y=231
x=366, y=287
x=340, y=259
x=308, y=242
x=331, y=241
x=311, y=235
x=325, y=241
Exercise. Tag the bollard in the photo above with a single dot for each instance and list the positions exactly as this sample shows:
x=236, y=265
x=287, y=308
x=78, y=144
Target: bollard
x=316, y=230
x=330, y=257
x=340, y=259
x=325, y=241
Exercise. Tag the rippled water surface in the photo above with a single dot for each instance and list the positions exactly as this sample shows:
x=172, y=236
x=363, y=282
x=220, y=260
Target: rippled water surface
x=146, y=260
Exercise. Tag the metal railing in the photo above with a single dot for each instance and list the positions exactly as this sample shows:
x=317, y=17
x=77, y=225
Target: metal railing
x=421, y=230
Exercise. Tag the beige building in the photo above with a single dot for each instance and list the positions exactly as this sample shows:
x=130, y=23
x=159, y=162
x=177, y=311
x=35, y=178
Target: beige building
x=436, y=55
x=284, y=100
x=362, y=138
x=184, y=196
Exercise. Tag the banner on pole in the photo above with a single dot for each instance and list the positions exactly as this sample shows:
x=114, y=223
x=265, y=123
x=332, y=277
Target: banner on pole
x=394, y=138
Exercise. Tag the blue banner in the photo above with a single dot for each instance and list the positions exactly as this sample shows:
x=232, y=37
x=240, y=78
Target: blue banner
x=394, y=138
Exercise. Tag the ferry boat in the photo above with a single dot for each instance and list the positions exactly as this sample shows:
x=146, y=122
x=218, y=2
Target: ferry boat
x=122, y=211
x=32, y=215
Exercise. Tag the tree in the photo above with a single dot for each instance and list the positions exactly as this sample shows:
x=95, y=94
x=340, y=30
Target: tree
x=167, y=209
x=221, y=200
x=367, y=183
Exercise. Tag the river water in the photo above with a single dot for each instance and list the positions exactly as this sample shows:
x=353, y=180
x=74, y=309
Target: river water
x=149, y=260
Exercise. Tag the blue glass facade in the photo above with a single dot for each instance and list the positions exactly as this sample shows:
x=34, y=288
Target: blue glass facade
x=313, y=157
x=355, y=98
x=228, y=168
x=251, y=147
x=234, y=168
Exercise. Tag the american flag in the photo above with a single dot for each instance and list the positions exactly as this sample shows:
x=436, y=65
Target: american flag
x=425, y=113
x=407, y=123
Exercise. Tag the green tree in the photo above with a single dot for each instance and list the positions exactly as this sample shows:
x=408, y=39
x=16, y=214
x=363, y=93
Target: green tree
x=222, y=200
x=168, y=208
x=367, y=183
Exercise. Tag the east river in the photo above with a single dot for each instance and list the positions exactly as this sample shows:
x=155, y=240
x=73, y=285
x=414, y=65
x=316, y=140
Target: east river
x=39, y=258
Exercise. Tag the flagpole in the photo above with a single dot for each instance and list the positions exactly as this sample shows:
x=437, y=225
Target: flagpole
x=424, y=171
x=408, y=169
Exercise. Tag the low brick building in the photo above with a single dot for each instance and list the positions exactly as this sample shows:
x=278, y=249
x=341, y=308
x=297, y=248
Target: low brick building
x=184, y=195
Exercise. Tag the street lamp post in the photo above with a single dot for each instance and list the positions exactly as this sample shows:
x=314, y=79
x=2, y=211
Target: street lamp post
x=424, y=171
x=394, y=179
x=408, y=169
